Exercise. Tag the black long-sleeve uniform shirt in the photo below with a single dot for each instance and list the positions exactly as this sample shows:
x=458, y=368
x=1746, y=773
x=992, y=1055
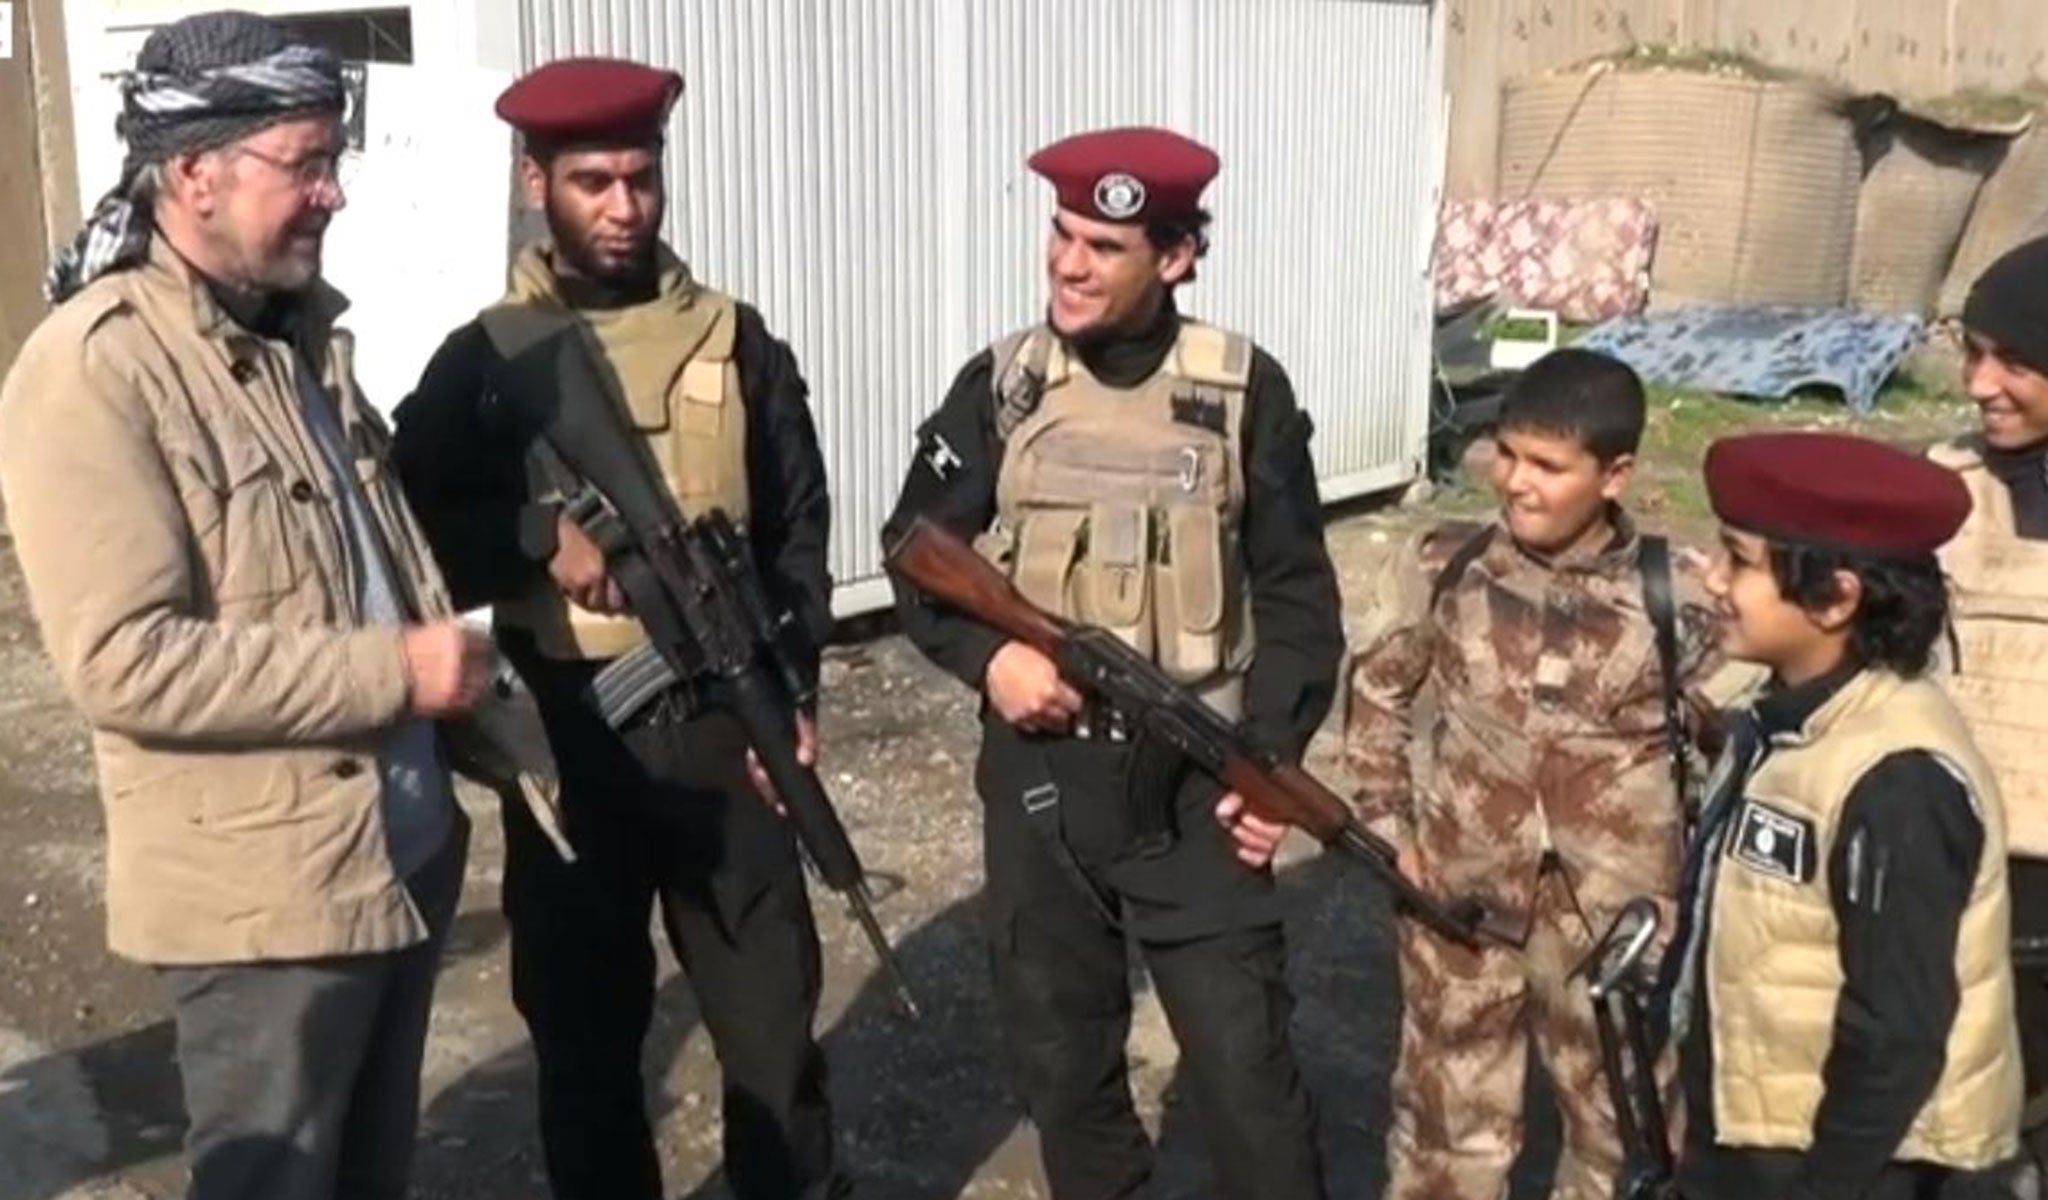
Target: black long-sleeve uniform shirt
x=1294, y=602
x=1900, y=871
x=465, y=472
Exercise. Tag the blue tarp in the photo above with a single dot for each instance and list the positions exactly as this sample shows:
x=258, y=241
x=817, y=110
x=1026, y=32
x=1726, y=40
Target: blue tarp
x=1764, y=352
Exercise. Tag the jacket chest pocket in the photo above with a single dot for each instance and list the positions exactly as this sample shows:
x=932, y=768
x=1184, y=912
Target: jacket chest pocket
x=249, y=552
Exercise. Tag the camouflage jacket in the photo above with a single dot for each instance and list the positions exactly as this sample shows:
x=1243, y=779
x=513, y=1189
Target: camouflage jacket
x=1547, y=731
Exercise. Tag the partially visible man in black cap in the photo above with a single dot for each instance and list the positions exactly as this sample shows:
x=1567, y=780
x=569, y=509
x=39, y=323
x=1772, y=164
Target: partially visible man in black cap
x=662, y=809
x=236, y=596
x=1998, y=566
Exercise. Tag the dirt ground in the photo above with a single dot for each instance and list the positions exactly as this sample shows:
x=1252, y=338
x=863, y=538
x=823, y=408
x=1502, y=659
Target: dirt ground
x=88, y=1089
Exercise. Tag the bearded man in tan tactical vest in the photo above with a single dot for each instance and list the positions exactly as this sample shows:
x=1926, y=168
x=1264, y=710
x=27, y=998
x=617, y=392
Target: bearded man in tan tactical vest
x=1998, y=568
x=1137, y=470
x=659, y=804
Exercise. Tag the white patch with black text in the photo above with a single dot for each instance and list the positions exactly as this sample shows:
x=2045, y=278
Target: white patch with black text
x=1773, y=842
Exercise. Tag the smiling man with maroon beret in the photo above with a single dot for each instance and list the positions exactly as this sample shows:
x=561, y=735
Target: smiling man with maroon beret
x=1139, y=470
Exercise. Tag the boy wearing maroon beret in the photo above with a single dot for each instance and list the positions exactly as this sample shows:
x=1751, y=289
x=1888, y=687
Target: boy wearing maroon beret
x=1842, y=993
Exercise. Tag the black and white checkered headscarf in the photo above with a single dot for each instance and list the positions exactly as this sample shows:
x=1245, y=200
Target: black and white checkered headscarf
x=198, y=83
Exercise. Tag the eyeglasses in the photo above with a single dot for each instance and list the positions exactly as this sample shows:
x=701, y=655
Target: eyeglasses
x=310, y=171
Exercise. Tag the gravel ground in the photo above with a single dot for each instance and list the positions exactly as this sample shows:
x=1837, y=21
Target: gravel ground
x=88, y=1089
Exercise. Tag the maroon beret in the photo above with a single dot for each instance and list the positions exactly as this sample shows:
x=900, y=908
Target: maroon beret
x=1833, y=490
x=1128, y=176
x=591, y=99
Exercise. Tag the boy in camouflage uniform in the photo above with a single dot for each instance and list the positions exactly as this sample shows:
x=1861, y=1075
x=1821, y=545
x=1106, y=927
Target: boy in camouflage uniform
x=1551, y=796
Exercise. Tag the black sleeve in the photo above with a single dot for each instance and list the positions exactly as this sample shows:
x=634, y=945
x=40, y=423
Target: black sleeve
x=464, y=474
x=1296, y=613
x=952, y=480
x=1900, y=875
x=792, y=510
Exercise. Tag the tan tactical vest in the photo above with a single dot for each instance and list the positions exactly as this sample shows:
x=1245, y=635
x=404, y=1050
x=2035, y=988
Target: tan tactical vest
x=2000, y=609
x=1120, y=507
x=673, y=359
x=1773, y=964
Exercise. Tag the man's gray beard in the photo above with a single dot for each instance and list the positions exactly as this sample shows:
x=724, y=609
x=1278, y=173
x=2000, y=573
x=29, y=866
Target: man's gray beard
x=270, y=275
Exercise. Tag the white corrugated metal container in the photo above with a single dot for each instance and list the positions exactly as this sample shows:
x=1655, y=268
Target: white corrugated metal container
x=855, y=168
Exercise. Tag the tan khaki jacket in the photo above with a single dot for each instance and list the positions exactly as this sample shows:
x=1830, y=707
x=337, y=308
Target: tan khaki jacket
x=185, y=559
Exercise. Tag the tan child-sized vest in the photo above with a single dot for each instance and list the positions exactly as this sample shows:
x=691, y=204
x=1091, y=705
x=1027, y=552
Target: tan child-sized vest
x=1774, y=972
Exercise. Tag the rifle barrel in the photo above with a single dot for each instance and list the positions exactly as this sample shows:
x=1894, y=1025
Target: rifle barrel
x=861, y=903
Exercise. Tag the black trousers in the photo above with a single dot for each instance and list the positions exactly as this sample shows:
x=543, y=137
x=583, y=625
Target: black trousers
x=302, y=1079
x=666, y=815
x=2027, y=879
x=1734, y=1173
x=1209, y=934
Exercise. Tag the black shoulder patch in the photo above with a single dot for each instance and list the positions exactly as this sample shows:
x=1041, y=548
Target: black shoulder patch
x=1203, y=412
x=1774, y=842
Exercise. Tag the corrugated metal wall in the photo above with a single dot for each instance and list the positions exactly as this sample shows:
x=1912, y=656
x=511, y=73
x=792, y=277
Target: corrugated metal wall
x=855, y=168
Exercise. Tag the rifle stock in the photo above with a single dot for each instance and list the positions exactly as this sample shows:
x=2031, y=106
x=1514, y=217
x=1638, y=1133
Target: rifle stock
x=944, y=567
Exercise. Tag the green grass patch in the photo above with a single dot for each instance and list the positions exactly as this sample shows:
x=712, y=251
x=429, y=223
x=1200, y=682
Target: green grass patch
x=1668, y=492
x=1976, y=107
x=1699, y=60
x=1517, y=329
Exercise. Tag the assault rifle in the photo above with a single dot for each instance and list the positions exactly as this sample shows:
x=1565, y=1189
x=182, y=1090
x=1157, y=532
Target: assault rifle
x=1615, y=983
x=691, y=584
x=941, y=565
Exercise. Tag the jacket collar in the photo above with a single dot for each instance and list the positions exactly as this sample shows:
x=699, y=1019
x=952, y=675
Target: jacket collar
x=166, y=270
x=534, y=280
x=1797, y=716
x=1593, y=555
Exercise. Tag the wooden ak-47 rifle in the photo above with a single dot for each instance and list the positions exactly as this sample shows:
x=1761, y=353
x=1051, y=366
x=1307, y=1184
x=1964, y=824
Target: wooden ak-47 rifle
x=941, y=565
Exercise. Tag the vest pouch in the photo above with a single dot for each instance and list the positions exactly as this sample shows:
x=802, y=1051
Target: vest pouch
x=703, y=396
x=1191, y=589
x=648, y=406
x=1047, y=547
x=1116, y=585
x=998, y=544
x=705, y=448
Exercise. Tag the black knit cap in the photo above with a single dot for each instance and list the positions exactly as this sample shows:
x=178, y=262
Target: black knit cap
x=186, y=50
x=2009, y=304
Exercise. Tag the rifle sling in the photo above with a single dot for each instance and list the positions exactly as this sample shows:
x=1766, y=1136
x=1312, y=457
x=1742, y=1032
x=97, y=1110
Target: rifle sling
x=1040, y=800
x=1654, y=559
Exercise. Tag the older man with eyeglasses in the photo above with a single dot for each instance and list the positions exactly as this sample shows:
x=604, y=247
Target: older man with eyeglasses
x=235, y=594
